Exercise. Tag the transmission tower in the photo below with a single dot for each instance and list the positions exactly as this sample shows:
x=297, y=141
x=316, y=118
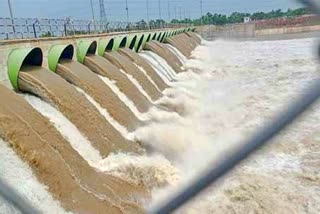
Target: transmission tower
x=103, y=16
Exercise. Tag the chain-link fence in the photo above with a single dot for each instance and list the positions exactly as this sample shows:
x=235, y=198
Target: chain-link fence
x=23, y=28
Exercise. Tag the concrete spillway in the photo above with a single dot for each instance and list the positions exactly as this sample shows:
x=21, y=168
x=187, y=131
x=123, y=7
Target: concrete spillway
x=70, y=179
x=146, y=66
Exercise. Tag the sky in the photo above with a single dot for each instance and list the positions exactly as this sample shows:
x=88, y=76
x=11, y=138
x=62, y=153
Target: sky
x=115, y=9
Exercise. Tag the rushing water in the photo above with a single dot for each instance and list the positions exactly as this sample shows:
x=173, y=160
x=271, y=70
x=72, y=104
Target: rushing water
x=231, y=89
x=240, y=87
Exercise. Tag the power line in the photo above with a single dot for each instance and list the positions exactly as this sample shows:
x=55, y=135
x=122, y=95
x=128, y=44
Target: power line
x=127, y=9
x=201, y=19
x=169, y=10
x=103, y=16
x=159, y=6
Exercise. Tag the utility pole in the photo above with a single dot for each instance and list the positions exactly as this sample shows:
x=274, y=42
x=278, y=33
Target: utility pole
x=180, y=12
x=159, y=5
x=11, y=16
x=127, y=9
x=93, y=18
x=92, y=11
x=159, y=9
x=201, y=20
x=148, y=20
x=175, y=12
x=169, y=15
x=103, y=16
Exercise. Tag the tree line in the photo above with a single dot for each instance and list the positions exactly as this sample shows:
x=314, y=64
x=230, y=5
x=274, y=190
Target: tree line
x=235, y=17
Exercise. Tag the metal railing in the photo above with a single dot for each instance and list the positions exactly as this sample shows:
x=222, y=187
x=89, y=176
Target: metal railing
x=24, y=28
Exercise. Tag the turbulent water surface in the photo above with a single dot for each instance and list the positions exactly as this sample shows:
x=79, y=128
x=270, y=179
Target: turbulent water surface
x=240, y=87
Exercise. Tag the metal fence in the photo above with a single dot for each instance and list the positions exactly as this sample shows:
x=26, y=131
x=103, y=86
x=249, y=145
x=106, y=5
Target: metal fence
x=23, y=28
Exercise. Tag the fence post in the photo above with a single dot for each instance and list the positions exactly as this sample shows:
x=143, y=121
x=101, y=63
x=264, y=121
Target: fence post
x=34, y=28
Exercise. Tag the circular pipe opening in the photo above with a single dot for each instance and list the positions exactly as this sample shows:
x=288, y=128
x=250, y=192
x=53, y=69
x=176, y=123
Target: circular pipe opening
x=123, y=42
x=19, y=59
x=149, y=37
x=67, y=53
x=92, y=48
x=34, y=58
x=133, y=42
x=57, y=53
x=159, y=37
x=110, y=45
x=163, y=36
x=140, y=43
x=154, y=36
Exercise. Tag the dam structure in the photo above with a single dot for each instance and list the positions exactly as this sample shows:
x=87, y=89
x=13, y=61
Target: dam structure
x=69, y=105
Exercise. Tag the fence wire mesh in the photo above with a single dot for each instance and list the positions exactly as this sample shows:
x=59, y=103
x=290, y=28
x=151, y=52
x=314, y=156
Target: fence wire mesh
x=24, y=28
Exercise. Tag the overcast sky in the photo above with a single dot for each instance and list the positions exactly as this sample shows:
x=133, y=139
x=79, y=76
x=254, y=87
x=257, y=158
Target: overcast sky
x=115, y=9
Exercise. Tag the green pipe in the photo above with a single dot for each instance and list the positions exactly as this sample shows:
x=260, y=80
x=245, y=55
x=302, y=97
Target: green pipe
x=159, y=36
x=85, y=48
x=58, y=52
x=131, y=41
x=139, y=42
x=146, y=38
x=154, y=36
x=119, y=42
x=20, y=57
x=164, y=36
x=105, y=45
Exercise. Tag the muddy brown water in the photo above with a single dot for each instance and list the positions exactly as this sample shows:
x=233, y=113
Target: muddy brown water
x=184, y=43
x=124, y=63
x=69, y=178
x=195, y=37
x=172, y=61
x=76, y=107
x=173, y=56
x=191, y=41
x=146, y=66
x=105, y=68
x=81, y=76
x=180, y=45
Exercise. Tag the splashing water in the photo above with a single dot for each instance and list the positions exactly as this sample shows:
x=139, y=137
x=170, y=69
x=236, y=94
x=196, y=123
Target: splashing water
x=161, y=66
x=240, y=87
x=68, y=130
x=19, y=176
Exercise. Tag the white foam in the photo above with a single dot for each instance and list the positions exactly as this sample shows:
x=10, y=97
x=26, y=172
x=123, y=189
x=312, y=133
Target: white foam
x=123, y=98
x=125, y=133
x=19, y=176
x=175, y=51
x=238, y=87
x=67, y=129
x=150, y=170
x=136, y=83
x=149, y=78
x=159, y=68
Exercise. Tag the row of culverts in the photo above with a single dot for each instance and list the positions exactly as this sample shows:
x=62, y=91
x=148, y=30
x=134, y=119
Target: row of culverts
x=62, y=121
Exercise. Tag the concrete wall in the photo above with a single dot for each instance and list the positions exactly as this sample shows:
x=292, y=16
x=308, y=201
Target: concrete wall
x=211, y=32
x=287, y=30
x=5, y=49
x=44, y=44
